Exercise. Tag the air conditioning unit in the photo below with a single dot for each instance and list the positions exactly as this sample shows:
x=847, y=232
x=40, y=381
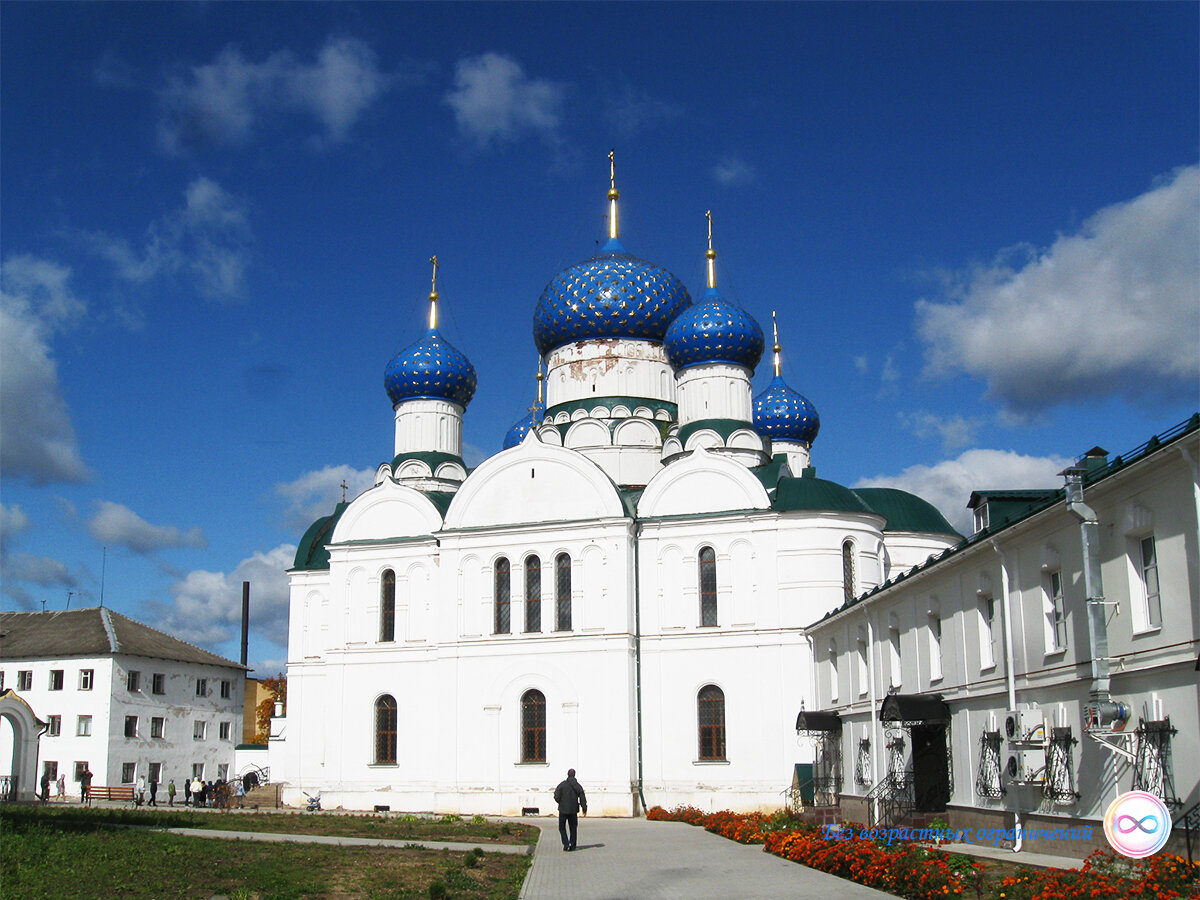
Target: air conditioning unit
x=1025, y=766
x=1024, y=726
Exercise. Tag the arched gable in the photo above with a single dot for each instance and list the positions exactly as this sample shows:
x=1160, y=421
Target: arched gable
x=700, y=483
x=534, y=482
x=388, y=510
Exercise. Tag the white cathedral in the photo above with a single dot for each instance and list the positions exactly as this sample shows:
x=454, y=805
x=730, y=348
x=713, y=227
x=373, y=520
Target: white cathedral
x=623, y=589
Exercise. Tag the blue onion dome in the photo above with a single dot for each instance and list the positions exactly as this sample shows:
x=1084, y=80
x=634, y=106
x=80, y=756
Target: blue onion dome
x=430, y=369
x=517, y=433
x=782, y=414
x=714, y=331
x=611, y=295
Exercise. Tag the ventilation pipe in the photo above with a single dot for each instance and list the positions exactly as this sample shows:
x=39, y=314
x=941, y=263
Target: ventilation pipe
x=1101, y=712
x=245, y=620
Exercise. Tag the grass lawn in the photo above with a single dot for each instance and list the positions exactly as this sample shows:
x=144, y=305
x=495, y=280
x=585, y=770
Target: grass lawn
x=51, y=854
x=395, y=827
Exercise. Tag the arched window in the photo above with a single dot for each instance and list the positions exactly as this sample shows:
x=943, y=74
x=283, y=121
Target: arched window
x=387, y=607
x=503, y=596
x=385, y=730
x=562, y=591
x=710, y=714
x=848, y=586
x=533, y=594
x=533, y=727
x=708, y=587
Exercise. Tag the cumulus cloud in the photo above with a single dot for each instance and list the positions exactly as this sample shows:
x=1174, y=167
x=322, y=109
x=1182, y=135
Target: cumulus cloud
x=1110, y=310
x=733, y=172
x=314, y=494
x=208, y=239
x=39, y=570
x=948, y=484
x=494, y=100
x=224, y=101
x=12, y=522
x=206, y=608
x=37, y=442
x=955, y=432
x=115, y=525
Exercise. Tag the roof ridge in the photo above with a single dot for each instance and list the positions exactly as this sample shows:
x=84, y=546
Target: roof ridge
x=173, y=638
x=113, y=644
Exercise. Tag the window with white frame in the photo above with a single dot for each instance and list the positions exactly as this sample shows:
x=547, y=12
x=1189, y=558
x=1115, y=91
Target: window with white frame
x=934, y=632
x=833, y=670
x=83, y=726
x=198, y=771
x=156, y=772
x=863, y=668
x=201, y=687
x=131, y=726
x=1147, y=602
x=226, y=689
x=895, y=671
x=848, y=578
x=223, y=771
x=133, y=681
x=986, y=605
x=199, y=730
x=225, y=731
x=56, y=680
x=157, y=726
x=87, y=677
x=128, y=773
x=1055, y=612
x=54, y=725
x=25, y=680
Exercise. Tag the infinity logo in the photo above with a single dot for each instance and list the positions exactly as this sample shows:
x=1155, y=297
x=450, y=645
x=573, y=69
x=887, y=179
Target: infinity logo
x=1137, y=824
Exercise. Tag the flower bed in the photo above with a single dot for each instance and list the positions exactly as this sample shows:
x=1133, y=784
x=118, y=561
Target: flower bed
x=919, y=872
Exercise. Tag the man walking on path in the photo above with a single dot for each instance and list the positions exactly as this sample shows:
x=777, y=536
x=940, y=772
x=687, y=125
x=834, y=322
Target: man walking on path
x=171, y=792
x=571, y=799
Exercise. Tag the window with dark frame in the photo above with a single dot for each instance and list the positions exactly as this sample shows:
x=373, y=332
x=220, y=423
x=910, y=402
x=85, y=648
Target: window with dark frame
x=54, y=725
x=387, y=607
x=848, y=586
x=133, y=681
x=385, y=730
x=708, y=587
x=157, y=726
x=158, y=683
x=533, y=594
x=710, y=713
x=56, y=679
x=1149, y=573
x=226, y=689
x=562, y=592
x=25, y=680
x=533, y=727
x=503, y=596
x=131, y=723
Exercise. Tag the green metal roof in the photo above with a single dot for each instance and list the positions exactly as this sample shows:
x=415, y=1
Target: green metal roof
x=906, y=512
x=723, y=427
x=796, y=494
x=313, y=552
x=440, y=499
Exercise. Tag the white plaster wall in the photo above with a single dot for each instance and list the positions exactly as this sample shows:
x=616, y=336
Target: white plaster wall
x=614, y=367
x=429, y=425
x=715, y=391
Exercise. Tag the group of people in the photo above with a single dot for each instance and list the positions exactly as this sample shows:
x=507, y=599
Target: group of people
x=219, y=794
x=54, y=789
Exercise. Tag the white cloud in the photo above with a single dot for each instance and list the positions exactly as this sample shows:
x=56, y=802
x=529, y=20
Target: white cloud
x=955, y=432
x=1110, y=310
x=224, y=101
x=115, y=525
x=314, y=494
x=37, y=441
x=207, y=238
x=948, y=484
x=632, y=110
x=732, y=172
x=39, y=570
x=493, y=99
x=12, y=522
x=207, y=606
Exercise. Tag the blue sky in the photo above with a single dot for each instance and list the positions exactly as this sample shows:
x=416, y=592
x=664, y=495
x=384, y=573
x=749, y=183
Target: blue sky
x=978, y=224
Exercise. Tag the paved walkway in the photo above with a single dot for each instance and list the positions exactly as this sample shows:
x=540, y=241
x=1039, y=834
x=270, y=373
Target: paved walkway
x=632, y=859
x=338, y=840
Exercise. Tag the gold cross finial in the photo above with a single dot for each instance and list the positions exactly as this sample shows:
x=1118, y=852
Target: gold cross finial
x=711, y=255
x=612, y=169
x=613, y=194
x=433, y=294
x=775, y=333
x=344, y=486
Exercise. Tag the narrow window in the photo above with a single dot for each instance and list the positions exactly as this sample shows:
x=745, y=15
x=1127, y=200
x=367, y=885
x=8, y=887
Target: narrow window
x=710, y=714
x=128, y=772
x=25, y=680
x=895, y=662
x=863, y=665
x=503, y=596
x=87, y=678
x=533, y=727
x=848, y=587
x=834, y=686
x=158, y=683
x=133, y=681
x=199, y=730
x=708, y=588
x=56, y=679
x=226, y=689
x=83, y=726
x=533, y=594
x=54, y=724
x=131, y=724
x=562, y=591
x=1149, y=572
x=156, y=772
x=987, y=631
x=197, y=771
x=385, y=730
x=387, y=607
x=223, y=771
x=157, y=726
x=1056, y=619
x=935, y=646
x=201, y=687
x=226, y=730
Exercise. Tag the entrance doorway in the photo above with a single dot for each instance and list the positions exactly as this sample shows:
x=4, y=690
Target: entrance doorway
x=931, y=767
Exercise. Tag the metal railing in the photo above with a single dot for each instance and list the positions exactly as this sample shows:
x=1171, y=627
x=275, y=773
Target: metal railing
x=892, y=800
x=1190, y=821
x=8, y=788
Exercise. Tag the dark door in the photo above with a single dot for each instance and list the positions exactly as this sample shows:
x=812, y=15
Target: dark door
x=803, y=779
x=931, y=768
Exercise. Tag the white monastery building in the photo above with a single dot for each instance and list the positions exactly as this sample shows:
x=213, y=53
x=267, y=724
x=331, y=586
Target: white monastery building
x=623, y=589
x=113, y=696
